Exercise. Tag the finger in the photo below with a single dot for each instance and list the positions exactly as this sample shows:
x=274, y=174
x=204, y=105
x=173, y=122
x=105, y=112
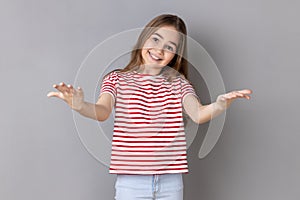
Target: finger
x=62, y=87
x=247, y=97
x=245, y=91
x=238, y=94
x=230, y=95
x=54, y=94
x=59, y=87
x=71, y=89
x=243, y=94
x=66, y=88
x=76, y=91
x=79, y=89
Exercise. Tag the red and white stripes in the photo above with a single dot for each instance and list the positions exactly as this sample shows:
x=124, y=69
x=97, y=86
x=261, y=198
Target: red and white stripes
x=149, y=135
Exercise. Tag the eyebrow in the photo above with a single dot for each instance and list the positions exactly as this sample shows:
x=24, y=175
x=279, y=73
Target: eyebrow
x=163, y=38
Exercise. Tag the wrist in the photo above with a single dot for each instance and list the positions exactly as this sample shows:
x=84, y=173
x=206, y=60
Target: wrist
x=81, y=107
x=219, y=106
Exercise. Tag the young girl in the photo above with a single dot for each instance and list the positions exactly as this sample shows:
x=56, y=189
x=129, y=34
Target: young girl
x=150, y=96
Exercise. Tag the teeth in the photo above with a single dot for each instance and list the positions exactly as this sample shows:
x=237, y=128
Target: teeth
x=153, y=56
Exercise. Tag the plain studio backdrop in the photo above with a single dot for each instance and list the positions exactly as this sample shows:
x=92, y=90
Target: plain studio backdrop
x=254, y=43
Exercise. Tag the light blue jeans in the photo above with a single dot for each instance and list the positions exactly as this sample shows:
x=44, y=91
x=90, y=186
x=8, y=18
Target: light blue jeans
x=151, y=187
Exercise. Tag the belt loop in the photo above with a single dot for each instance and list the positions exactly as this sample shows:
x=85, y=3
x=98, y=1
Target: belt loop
x=155, y=185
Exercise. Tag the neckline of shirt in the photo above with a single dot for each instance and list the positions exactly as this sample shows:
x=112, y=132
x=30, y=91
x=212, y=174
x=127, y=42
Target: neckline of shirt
x=145, y=74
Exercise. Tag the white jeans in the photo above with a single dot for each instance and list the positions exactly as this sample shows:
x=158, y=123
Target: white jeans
x=151, y=187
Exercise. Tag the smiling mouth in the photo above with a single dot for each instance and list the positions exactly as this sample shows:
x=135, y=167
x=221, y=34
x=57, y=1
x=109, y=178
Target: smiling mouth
x=154, y=57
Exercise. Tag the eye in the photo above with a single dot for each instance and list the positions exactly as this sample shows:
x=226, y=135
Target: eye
x=169, y=48
x=155, y=39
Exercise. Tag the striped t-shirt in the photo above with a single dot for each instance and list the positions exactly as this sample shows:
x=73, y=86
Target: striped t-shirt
x=148, y=136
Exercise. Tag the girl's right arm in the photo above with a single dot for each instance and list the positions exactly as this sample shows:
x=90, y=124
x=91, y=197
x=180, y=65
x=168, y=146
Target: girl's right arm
x=99, y=111
x=75, y=99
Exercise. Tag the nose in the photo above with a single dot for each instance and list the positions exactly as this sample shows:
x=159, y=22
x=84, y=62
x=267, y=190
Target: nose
x=159, y=49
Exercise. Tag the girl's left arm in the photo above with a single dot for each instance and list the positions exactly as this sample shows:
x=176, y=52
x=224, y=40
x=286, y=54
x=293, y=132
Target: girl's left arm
x=203, y=113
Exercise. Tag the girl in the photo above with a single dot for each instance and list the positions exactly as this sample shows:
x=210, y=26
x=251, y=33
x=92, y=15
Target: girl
x=150, y=96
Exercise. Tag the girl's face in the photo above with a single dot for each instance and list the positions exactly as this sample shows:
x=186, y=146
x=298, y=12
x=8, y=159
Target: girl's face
x=161, y=47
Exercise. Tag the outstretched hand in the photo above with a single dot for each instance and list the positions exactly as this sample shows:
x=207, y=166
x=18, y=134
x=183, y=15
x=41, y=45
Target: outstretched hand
x=225, y=100
x=73, y=97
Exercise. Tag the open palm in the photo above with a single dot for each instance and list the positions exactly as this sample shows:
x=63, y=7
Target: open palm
x=225, y=100
x=73, y=97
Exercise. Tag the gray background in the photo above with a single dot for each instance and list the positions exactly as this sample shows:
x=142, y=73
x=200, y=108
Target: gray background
x=255, y=44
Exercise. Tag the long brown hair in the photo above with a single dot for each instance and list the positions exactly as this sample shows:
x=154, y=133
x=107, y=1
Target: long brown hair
x=178, y=63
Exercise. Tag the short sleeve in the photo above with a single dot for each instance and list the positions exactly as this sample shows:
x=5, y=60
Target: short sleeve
x=186, y=89
x=109, y=84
